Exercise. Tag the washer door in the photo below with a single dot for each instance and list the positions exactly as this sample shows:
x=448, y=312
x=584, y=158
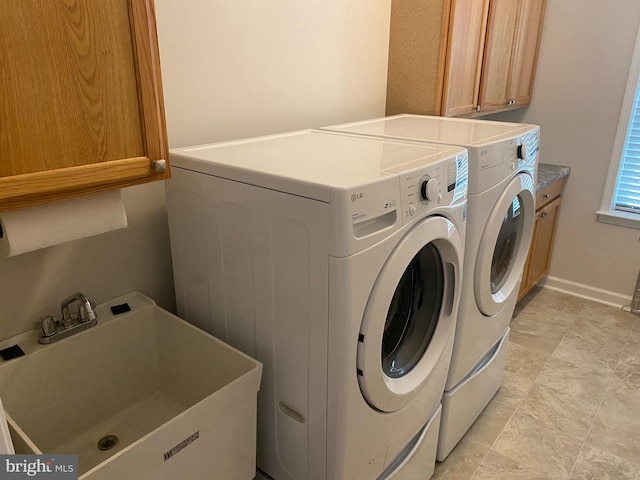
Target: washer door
x=410, y=315
x=505, y=245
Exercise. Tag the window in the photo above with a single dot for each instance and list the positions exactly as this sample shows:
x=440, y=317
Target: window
x=621, y=199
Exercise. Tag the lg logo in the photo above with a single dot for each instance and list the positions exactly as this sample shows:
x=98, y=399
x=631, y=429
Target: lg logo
x=357, y=196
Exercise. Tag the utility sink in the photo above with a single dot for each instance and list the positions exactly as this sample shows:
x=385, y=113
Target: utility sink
x=142, y=395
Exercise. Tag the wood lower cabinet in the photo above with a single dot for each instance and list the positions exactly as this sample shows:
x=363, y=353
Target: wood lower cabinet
x=81, y=108
x=462, y=57
x=548, y=203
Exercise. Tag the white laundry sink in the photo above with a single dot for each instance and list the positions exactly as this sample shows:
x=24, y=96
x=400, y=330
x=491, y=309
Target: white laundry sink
x=181, y=403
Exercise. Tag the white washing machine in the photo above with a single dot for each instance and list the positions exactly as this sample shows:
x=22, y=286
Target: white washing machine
x=336, y=261
x=503, y=159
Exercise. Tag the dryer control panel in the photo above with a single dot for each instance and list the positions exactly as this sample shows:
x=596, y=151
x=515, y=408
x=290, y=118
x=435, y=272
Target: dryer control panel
x=433, y=186
x=496, y=161
x=527, y=149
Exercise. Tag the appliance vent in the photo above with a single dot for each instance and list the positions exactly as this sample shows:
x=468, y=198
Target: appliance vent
x=635, y=301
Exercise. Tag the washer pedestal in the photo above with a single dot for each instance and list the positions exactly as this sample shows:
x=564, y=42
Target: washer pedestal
x=420, y=462
x=458, y=414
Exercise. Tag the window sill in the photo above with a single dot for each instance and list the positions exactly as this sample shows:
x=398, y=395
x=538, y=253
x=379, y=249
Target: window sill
x=622, y=219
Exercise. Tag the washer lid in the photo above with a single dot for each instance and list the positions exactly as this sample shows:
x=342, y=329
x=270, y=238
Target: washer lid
x=504, y=245
x=410, y=315
x=422, y=128
x=309, y=163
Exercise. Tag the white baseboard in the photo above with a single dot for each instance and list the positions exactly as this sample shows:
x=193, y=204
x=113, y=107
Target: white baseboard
x=586, y=291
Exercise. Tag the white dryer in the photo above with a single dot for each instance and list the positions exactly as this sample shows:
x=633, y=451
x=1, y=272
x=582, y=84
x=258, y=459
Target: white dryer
x=336, y=261
x=502, y=172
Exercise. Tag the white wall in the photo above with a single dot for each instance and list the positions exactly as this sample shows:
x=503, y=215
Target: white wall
x=582, y=71
x=232, y=68
x=240, y=68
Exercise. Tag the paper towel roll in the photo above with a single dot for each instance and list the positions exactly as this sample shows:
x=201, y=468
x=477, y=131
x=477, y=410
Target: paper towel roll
x=39, y=227
x=6, y=446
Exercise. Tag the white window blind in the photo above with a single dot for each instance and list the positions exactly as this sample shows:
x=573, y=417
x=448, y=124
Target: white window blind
x=627, y=193
x=621, y=197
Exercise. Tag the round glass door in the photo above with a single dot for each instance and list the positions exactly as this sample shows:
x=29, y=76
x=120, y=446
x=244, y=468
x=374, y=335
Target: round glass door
x=505, y=250
x=504, y=245
x=413, y=314
x=409, y=319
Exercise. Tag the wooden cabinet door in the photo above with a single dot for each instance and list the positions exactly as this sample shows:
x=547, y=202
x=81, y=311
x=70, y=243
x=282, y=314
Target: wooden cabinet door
x=501, y=29
x=511, y=53
x=525, y=54
x=544, y=231
x=81, y=106
x=466, y=38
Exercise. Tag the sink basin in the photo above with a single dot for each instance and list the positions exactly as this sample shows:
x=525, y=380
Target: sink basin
x=165, y=399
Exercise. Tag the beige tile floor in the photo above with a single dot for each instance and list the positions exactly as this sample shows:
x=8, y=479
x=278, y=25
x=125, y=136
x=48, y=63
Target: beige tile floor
x=569, y=407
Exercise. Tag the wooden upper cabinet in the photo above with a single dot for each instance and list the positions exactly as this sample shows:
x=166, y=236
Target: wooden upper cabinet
x=496, y=66
x=81, y=106
x=525, y=56
x=513, y=36
x=462, y=57
x=465, y=49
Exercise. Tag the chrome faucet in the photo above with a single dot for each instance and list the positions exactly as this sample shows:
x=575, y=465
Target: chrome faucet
x=52, y=330
x=85, y=310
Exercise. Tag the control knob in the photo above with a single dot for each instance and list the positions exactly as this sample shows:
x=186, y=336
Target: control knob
x=429, y=189
x=522, y=152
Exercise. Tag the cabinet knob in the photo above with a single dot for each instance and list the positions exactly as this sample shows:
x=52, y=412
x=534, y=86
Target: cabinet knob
x=159, y=166
x=543, y=214
x=546, y=195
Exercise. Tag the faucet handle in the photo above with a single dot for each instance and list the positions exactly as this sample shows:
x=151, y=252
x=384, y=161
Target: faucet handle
x=86, y=311
x=47, y=326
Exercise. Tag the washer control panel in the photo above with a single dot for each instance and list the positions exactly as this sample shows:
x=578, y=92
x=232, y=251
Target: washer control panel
x=444, y=183
x=429, y=189
x=402, y=195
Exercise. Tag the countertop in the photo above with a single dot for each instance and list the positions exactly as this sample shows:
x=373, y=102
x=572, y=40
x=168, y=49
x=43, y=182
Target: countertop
x=549, y=173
